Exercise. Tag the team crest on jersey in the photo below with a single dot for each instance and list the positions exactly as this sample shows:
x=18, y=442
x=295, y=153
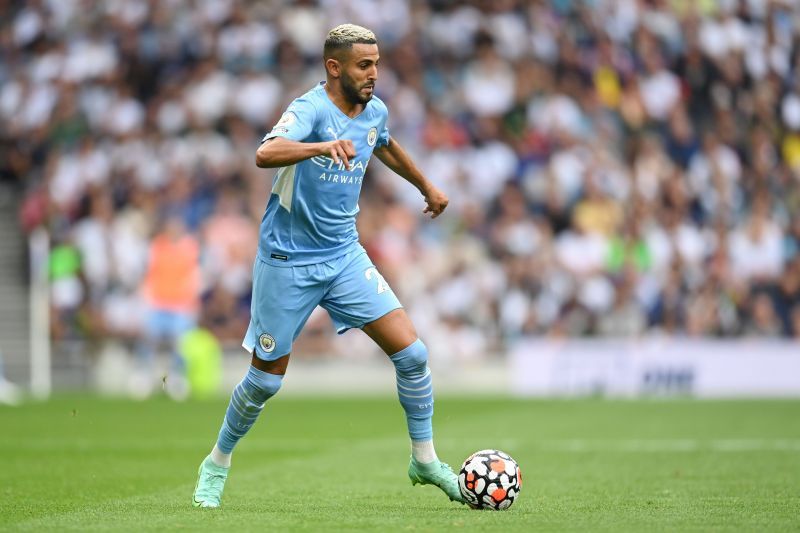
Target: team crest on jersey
x=372, y=136
x=267, y=342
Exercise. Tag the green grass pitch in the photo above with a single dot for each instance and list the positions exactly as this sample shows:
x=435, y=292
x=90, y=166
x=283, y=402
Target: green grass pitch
x=83, y=463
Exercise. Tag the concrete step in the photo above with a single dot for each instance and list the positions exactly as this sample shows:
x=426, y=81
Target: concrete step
x=18, y=312
x=13, y=336
x=14, y=292
x=13, y=300
x=12, y=346
x=9, y=335
x=15, y=305
x=15, y=271
x=8, y=289
x=11, y=307
x=14, y=354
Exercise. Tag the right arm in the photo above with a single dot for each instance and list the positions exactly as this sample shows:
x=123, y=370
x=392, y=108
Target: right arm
x=284, y=145
x=282, y=152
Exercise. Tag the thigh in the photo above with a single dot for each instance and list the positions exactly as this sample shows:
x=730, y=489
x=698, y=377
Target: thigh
x=358, y=294
x=283, y=298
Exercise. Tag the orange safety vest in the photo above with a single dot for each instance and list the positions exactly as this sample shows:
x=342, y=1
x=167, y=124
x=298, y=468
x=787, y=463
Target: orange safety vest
x=172, y=282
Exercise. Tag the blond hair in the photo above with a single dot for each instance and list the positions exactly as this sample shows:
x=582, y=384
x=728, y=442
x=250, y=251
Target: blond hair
x=345, y=36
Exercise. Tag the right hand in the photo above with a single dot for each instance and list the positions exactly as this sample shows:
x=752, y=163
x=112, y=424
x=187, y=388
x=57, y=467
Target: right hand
x=340, y=150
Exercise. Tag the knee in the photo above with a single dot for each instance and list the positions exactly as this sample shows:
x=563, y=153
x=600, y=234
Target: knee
x=263, y=383
x=412, y=359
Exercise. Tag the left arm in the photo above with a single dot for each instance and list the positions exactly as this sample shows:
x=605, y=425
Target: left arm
x=397, y=159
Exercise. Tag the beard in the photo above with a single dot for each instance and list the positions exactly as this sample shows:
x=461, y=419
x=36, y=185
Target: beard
x=353, y=92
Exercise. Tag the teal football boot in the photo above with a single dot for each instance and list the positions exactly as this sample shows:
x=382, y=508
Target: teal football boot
x=436, y=473
x=210, y=482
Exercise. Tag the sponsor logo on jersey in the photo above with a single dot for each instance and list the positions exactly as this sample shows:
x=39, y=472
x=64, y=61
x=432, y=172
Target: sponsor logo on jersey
x=329, y=164
x=344, y=179
x=267, y=342
x=372, y=136
x=287, y=119
x=338, y=173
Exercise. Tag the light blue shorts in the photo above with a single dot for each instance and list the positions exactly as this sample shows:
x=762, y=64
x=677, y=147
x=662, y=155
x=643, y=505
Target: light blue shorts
x=348, y=287
x=167, y=325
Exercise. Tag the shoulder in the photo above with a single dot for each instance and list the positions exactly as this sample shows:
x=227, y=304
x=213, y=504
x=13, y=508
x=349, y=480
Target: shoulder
x=309, y=101
x=379, y=107
x=316, y=95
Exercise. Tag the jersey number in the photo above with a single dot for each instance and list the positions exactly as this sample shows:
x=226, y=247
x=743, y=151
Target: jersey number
x=373, y=272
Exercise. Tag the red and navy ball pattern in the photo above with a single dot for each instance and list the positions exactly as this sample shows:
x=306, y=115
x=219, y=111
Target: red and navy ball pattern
x=490, y=479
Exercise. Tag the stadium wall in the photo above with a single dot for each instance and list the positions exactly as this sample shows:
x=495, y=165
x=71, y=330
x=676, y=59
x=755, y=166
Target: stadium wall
x=660, y=366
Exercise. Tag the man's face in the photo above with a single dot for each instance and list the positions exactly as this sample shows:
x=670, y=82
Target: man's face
x=359, y=72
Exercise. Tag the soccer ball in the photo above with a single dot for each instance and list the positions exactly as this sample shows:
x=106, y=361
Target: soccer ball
x=490, y=479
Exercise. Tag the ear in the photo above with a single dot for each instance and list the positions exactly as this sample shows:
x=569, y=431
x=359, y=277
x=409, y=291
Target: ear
x=333, y=67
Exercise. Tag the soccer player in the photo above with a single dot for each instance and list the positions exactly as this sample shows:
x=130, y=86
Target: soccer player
x=309, y=254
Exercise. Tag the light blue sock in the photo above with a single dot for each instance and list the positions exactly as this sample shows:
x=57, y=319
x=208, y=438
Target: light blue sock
x=247, y=401
x=415, y=389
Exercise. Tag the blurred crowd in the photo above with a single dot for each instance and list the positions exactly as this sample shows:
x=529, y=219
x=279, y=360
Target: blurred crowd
x=615, y=167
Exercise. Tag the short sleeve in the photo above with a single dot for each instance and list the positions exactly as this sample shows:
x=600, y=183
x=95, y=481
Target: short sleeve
x=296, y=123
x=383, y=137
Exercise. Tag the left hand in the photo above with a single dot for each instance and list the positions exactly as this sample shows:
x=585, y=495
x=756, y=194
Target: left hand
x=437, y=201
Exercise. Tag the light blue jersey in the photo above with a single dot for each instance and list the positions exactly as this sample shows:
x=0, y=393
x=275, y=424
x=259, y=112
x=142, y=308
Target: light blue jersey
x=311, y=214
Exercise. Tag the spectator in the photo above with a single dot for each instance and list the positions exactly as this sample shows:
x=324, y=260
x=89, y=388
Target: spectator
x=172, y=294
x=577, y=142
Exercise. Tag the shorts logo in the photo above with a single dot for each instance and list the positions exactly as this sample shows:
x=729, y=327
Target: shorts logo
x=267, y=342
x=372, y=136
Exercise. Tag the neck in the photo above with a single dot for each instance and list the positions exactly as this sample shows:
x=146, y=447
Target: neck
x=351, y=109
